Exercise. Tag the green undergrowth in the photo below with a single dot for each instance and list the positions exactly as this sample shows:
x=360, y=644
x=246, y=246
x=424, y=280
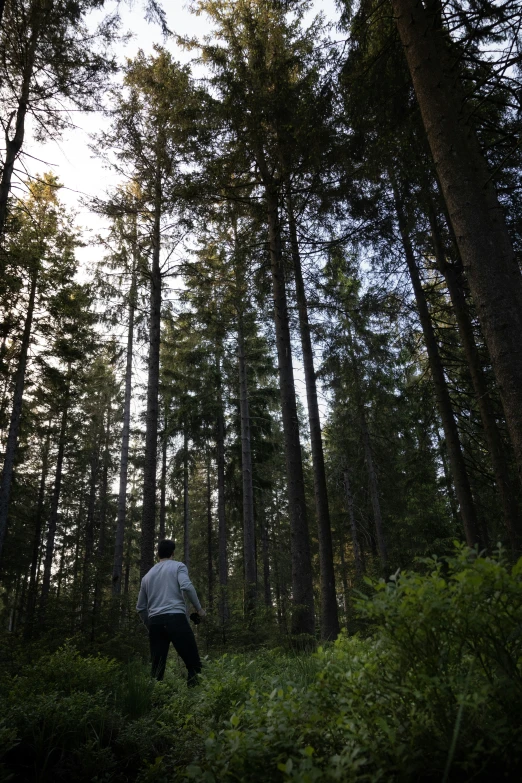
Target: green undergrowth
x=433, y=693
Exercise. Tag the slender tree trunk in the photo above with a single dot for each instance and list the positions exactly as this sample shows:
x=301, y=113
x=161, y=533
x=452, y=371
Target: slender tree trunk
x=210, y=540
x=357, y=551
x=163, y=484
x=37, y=540
x=303, y=619
x=249, y=530
x=102, y=535
x=344, y=575
x=222, y=525
x=148, y=519
x=89, y=530
x=14, y=144
x=265, y=541
x=453, y=276
x=186, y=501
x=55, y=502
x=124, y=459
x=451, y=434
x=476, y=216
x=374, y=487
x=329, y=616
x=16, y=414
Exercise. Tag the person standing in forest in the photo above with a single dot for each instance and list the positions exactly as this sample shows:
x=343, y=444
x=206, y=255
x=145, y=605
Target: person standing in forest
x=161, y=606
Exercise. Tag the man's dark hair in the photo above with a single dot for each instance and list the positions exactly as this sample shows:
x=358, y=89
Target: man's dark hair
x=166, y=548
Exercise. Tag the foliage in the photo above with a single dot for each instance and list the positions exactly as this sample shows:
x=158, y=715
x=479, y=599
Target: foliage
x=432, y=692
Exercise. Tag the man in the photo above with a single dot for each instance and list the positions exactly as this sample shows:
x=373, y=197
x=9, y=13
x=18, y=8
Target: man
x=162, y=608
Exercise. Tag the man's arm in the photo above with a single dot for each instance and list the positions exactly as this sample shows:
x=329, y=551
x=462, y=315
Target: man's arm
x=141, y=606
x=188, y=588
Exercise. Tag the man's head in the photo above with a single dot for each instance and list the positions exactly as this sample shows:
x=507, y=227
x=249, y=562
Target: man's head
x=166, y=549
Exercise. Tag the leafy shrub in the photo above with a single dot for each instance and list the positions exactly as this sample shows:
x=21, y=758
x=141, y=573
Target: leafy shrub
x=434, y=694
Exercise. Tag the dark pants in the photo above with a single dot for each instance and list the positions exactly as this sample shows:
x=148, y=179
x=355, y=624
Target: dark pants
x=175, y=628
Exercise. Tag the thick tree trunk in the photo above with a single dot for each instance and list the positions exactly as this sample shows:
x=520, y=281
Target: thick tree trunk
x=16, y=414
x=474, y=211
x=148, y=518
x=125, y=437
x=37, y=539
x=357, y=551
x=303, y=619
x=329, y=618
x=186, y=501
x=222, y=525
x=453, y=275
x=55, y=502
x=249, y=530
x=451, y=434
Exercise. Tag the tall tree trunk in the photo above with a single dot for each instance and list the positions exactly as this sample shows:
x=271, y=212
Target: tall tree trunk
x=265, y=541
x=249, y=530
x=125, y=436
x=374, y=487
x=186, y=501
x=14, y=144
x=357, y=551
x=303, y=618
x=163, y=485
x=210, y=540
x=100, y=550
x=89, y=530
x=37, y=539
x=329, y=616
x=55, y=502
x=16, y=414
x=222, y=525
x=453, y=275
x=148, y=518
x=451, y=434
x=469, y=191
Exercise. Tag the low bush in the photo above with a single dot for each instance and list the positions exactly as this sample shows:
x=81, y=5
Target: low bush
x=434, y=692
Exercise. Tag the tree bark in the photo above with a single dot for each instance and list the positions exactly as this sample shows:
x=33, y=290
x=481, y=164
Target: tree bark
x=357, y=551
x=88, y=551
x=265, y=541
x=148, y=518
x=476, y=216
x=303, y=618
x=329, y=613
x=374, y=487
x=125, y=437
x=14, y=144
x=55, y=502
x=451, y=434
x=453, y=275
x=37, y=539
x=16, y=414
x=163, y=484
x=249, y=530
x=100, y=550
x=186, y=501
x=222, y=525
x=210, y=540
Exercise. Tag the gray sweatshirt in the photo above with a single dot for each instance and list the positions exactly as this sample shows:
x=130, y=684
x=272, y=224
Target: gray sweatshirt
x=162, y=590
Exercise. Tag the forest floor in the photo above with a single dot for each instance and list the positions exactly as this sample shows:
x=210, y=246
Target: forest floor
x=432, y=691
